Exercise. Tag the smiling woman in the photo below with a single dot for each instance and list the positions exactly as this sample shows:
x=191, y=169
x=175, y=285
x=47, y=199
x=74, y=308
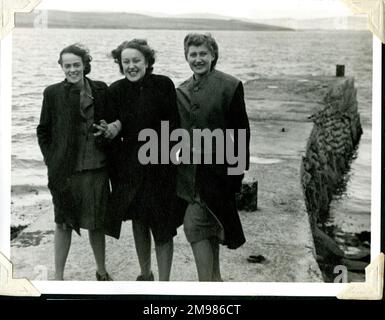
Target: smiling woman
x=134, y=64
x=76, y=63
x=75, y=158
x=144, y=194
x=73, y=68
x=201, y=58
x=213, y=100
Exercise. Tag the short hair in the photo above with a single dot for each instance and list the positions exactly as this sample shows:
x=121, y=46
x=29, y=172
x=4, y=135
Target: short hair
x=138, y=44
x=198, y=39
x=81, y=51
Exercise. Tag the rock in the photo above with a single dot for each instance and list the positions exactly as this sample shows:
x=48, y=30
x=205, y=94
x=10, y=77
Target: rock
x=364, y=236
x=15, y=231
x=354, y=265
x=247, y=199
x=363, y=256
x=256, y=259
x=326, y=246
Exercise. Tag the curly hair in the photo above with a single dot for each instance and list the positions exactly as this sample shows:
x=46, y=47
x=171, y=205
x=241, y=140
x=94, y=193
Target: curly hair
x=81, y=51
x=198, y=39
x=138, y=44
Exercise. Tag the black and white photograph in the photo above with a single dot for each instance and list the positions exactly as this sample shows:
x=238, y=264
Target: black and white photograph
x=155, y=142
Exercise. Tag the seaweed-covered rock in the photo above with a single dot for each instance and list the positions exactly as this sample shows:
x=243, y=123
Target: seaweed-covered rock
x=247, y=199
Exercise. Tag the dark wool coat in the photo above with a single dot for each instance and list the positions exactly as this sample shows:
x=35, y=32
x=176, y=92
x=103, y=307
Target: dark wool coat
x=57, y=137
x=140, y=106
x=214, y=102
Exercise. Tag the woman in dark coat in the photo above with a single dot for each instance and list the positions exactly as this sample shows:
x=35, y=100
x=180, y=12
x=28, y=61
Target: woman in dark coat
x=76, y=160
x=143, y=193
x=212, y=100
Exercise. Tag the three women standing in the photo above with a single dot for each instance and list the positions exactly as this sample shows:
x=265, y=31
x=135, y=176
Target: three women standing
x=77, y=157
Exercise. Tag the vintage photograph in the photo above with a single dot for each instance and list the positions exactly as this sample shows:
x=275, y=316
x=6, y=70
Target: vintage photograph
x=205, y=141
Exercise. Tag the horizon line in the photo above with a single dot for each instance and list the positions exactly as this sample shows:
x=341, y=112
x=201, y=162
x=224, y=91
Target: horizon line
x=203, y=14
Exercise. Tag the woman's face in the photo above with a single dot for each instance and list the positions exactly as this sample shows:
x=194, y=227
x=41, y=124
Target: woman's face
x=73, y=67
x=200, y=59
x=134, y=64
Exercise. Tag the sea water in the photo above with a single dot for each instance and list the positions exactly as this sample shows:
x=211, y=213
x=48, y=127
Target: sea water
x=245, y=54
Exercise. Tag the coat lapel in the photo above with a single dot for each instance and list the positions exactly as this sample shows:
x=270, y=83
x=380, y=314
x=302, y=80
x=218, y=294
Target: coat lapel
x=184, y=94
x=98, y=100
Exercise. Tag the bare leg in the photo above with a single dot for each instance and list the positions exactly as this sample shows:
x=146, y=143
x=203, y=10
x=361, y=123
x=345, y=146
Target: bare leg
x=142, y=237
x=164, y=253
x=62, y=247
x=204, y=258
x=216, y=267
x=98, y=244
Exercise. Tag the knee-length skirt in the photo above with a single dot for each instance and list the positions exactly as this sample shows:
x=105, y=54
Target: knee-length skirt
x=90, y=191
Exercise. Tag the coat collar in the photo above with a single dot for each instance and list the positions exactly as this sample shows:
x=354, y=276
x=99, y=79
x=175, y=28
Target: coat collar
x=192, y=83
x=144, y=82
x=95, y=85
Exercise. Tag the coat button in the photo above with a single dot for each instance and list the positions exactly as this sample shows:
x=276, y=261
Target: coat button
x=196, y=89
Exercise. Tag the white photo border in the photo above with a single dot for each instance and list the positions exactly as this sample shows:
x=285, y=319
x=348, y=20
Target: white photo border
x=181, y=288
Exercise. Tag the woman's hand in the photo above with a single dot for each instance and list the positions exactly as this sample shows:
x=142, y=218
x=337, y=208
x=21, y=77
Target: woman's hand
x=108, y=130
x=101, y=128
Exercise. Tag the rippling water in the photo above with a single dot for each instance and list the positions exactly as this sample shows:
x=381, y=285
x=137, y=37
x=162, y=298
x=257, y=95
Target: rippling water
x=247, y=55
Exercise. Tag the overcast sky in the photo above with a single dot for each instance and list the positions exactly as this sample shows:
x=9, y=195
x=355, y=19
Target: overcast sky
x=250, y=9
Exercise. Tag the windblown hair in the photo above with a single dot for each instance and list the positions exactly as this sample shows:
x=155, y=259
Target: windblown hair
x=140, y=45
x=81, y=51
x=198, y=39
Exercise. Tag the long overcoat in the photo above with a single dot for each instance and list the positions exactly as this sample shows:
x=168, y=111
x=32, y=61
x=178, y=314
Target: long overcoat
x=57, y=138
x=214, y=102
x=141, y=106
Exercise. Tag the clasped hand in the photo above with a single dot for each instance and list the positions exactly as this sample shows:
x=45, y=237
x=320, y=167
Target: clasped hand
x=102, y=129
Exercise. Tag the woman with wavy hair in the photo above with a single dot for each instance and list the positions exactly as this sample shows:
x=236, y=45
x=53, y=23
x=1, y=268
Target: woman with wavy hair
x=211, y=99
x=143, y=193
x=75, y=158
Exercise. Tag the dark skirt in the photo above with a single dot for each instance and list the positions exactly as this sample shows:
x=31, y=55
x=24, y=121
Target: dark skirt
x=151, y=203
x=90, y=190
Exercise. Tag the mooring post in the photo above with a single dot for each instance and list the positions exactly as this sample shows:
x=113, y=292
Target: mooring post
x=340, y=70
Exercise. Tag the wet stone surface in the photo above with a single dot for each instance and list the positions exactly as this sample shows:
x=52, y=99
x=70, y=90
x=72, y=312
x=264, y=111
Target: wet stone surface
x=27, y=239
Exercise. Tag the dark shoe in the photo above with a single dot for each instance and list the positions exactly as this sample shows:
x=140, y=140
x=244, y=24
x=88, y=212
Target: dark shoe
x=143, y=278
x=104, y=277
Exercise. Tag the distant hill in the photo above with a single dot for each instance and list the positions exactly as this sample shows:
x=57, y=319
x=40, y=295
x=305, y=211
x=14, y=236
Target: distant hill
x=335, y=23
x=113, y=20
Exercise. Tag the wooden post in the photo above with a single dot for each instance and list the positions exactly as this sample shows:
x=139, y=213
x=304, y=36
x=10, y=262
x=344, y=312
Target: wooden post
x=340, y=70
